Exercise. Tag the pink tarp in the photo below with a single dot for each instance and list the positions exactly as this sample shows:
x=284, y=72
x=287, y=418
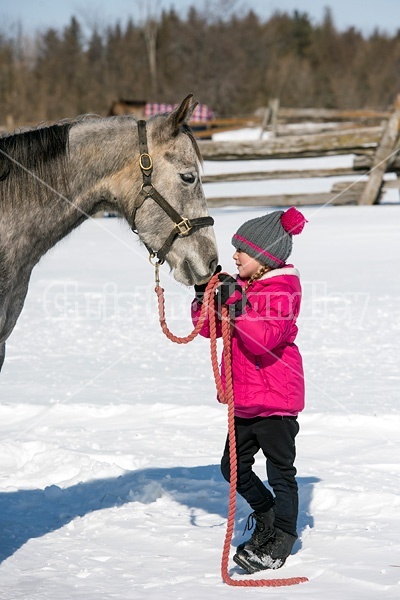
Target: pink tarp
x=202, y=113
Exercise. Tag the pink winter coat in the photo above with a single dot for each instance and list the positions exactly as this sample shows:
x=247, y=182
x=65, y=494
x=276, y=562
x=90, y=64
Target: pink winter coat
x=267, y=367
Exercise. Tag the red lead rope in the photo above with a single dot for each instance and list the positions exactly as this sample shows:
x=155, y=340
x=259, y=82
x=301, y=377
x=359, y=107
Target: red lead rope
x=226, y=397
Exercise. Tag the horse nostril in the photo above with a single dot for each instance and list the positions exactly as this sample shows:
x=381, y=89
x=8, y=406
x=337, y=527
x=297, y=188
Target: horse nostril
x=213, y=265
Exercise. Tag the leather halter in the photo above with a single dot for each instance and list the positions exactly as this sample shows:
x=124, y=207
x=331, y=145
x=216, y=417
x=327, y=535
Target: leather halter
x=182, y=227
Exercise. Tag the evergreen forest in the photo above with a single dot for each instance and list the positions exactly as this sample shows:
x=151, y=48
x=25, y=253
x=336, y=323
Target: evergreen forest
x=234, y=64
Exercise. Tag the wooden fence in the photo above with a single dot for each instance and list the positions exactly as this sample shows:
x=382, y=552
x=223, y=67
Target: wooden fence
x=373, y=136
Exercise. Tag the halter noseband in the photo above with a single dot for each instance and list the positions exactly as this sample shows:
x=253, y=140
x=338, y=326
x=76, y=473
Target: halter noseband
x=182, y=226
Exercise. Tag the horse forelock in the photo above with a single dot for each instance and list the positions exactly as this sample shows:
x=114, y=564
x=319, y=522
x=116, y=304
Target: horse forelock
x=187, y=130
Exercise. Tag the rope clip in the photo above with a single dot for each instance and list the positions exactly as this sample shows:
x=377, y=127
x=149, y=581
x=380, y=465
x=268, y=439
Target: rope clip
x=157, y=264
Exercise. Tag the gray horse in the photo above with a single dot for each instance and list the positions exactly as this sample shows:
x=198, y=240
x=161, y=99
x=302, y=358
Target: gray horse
x=54, y=178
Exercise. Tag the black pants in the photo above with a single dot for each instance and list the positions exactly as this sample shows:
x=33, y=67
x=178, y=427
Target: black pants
x=275, y=437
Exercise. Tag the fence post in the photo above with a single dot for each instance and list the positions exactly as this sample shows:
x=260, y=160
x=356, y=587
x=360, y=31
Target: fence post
x=270, y=117
x=383, y=157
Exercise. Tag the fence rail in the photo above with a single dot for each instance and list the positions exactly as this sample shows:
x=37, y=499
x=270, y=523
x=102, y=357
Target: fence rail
x=376, y=147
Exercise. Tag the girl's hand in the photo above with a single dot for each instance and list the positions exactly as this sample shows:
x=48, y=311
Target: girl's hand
x=200, y=289
x=231, y=294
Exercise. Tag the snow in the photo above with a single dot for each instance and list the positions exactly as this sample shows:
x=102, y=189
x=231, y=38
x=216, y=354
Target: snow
x=111, y=436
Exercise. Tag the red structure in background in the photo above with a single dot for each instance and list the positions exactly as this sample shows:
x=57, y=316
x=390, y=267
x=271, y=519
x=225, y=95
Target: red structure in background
x=143, y=110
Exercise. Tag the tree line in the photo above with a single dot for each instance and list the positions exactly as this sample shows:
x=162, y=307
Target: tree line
x=234, y=65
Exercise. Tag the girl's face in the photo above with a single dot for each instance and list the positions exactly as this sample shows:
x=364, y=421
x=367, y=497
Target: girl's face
x=247, y=266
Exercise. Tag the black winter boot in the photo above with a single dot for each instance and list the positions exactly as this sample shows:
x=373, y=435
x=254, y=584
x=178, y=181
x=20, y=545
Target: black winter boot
x=271, y=556
x=263, y=531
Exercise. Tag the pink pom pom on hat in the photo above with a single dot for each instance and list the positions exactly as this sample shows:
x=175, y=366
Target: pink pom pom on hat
x=269, y=238
x=293, y=221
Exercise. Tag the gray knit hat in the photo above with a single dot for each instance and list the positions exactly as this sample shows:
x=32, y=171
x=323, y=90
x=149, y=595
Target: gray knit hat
x=269, y=238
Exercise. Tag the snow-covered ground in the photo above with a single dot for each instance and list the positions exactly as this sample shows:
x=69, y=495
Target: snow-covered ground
x=111, y=435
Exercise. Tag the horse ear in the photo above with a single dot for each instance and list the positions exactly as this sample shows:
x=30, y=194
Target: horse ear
x=181, y=114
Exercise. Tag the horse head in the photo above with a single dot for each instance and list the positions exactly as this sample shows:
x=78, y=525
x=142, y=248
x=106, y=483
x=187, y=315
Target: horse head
x=170, y=212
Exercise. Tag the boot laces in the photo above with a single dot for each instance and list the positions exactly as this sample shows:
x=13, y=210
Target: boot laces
x=251, y=521
x=254, y=522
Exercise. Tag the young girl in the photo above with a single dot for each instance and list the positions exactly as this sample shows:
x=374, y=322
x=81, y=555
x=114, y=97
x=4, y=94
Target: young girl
x=268, y=380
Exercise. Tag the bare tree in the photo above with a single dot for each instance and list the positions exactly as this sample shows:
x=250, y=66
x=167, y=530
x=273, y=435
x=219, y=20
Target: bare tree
x=150, y=23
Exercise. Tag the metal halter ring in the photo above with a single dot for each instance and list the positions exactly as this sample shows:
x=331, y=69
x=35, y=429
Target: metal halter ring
x=148, y=191
x=159, y=261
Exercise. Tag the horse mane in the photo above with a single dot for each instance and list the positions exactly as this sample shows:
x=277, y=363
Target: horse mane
x=33, y=164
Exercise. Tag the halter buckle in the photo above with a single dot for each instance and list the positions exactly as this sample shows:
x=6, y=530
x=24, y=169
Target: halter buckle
x=145, y=158
x=183, y=227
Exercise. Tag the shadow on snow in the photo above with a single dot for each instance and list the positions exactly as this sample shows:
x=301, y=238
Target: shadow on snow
x=26, y=514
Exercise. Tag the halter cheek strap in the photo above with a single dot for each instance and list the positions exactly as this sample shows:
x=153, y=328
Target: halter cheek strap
x=182, y=226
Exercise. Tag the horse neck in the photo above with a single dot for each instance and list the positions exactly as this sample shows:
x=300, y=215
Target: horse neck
x=31, y=223
x=91, y=161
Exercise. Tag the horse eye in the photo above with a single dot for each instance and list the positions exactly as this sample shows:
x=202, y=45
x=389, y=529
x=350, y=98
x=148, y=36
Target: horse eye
x=188, y=177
